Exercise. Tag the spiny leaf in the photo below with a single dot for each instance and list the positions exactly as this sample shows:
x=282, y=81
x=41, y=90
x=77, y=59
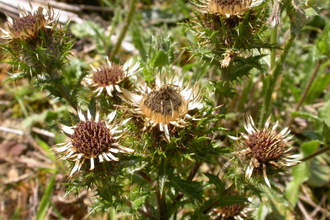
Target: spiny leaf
x=192, y=189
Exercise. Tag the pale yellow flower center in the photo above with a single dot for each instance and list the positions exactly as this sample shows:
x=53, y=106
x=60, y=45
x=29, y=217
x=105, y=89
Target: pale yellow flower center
x=228, y=6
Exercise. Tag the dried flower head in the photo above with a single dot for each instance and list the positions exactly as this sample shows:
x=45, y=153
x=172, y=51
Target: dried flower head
x=28, y=24
x=264, y=149
x=166, y=104
x=109, y=76
x=229, y=57
x=225, y=7
x=91, y=139
x=236, y=212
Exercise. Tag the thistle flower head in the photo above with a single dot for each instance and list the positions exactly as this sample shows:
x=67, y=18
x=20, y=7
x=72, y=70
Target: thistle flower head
x=166, y=104
x=90, y=139
x=109, y=76
x=28, y=24
x=225, y=7
x=264, y=149
x=235, y=211
x=224, y=25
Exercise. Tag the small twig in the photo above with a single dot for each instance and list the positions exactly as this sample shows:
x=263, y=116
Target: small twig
x=11, y=130
x=311, y=203
x=17, y=179
x=303, y=210
x=316, y=153
x=303, y=97
x=146, y=177
x=122, y=34
x=193, y=172
x=43, y=132
x=317, y=209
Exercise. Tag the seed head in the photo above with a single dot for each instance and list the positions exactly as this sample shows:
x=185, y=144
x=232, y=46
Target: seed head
x=225, y=7
x=108, y=77
x=91, y=139
x=28, y=25
x=235, y=211
x=264, y=149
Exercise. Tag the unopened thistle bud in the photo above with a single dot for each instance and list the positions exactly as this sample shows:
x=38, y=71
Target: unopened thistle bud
x=35, y=40
x=225, y=7
x=225, y=25
x=28, y=24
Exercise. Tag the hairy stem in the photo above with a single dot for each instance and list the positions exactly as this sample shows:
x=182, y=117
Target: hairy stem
x=61, y=87
x=122, y=34
x=272, y=79
x=225, y=74
x=273, y=41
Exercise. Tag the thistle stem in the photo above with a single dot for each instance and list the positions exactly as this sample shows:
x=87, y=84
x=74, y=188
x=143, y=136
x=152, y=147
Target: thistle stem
x=61, y=88
x=272, y=79
x=122, y=34
x=225, y=74
x=303, y=97
x=273, y=41
x=161, y=204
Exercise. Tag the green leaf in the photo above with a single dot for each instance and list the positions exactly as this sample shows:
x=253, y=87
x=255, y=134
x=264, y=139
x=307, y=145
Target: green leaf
x=213, y=179
x=139, y=201
x=138, y=41
x=46, y=147
x=45, y=200
x=297, y=16
x=313, y=135
x=306, y=115
x=323, y=42
x=319, y=85
x=320, y=171
x=232, y=200
x=165, y=169
x=300, y=174
x=281, y=208
x=324, y=112
x=161, y=59
x=326, y=133
x=192, y=189
x=47, y=115
x=309, y=147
